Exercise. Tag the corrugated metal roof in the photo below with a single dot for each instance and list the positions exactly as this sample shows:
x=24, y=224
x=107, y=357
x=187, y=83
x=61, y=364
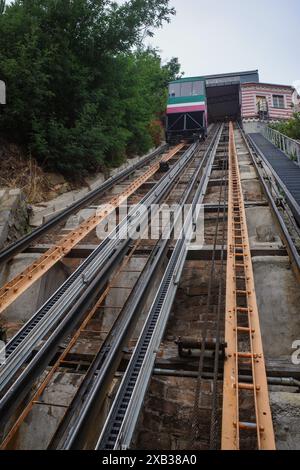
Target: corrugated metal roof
x=222, y=75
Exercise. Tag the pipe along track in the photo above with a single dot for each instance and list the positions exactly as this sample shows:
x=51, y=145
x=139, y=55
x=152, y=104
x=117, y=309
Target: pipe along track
x=73, y=306
x=67, y=306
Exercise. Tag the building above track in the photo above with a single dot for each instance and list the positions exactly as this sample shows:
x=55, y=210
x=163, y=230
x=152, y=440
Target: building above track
x=241, y=96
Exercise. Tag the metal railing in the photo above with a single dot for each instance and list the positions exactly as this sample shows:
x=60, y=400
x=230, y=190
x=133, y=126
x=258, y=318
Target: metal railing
x=2, y=92
x=289, y=146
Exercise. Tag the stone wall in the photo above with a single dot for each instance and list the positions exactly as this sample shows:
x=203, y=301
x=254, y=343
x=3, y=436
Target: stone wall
x=13, y=216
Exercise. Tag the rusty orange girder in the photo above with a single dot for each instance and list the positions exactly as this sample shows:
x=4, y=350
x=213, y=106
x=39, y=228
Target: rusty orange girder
x=242, y=329
x=13, y=289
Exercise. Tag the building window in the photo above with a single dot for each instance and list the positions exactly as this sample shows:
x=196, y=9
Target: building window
x=261, y=103
x=186, y=89
x=278, y=101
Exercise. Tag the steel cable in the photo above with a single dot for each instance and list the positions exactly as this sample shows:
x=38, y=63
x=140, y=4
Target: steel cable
x=195, y=418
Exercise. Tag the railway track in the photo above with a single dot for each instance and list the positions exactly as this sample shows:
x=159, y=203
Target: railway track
x=64, y=307
x=92, y=277
x=120, y=425
x=91, y=197
x=226, y=353
x=122, y=298
x=242, y=331
x=123, y=428
x=15, y=287
x=289, y=229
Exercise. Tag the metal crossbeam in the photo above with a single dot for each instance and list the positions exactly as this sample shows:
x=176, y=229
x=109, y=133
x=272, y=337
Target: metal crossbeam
x=242, y=331
x=121, y=422
x=62, y=357
x=70, y=302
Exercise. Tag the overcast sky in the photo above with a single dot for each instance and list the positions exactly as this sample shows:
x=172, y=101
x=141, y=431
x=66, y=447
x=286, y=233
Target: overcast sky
x=219, y=36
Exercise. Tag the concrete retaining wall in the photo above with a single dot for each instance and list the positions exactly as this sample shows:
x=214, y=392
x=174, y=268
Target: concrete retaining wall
x=26, y=305
x=13, y=216
x=45, y=211
x=254, y=127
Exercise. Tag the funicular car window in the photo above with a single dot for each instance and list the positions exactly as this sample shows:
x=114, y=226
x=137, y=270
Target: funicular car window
x=186, y=89
x=198, y=88
x=174, y=90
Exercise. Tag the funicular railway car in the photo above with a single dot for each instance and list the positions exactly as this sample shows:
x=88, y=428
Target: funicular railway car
x=187, y=110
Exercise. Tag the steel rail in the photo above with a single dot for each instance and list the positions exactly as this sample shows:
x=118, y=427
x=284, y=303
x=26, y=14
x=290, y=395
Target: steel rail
x=21, y=386
x=89, y=398
x=80, y=286
x=214, y=427
x=20, y=347
x=92, y=391
x=242, y=329
x=121, y=422
x=58, y=363
x=290, y=246
x=20, y=283
x=24, y=242
x=195, y=418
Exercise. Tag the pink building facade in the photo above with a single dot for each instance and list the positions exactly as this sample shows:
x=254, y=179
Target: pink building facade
x=267, y=102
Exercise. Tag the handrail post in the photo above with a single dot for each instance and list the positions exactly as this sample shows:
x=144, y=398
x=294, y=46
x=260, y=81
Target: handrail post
x=290, y=147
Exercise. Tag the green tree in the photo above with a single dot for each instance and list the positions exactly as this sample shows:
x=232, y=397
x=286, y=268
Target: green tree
x=173, y=69
x=81, y=89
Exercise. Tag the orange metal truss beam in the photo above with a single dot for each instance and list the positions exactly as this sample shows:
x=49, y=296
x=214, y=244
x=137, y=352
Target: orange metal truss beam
x=13, y=289
x=242, y=330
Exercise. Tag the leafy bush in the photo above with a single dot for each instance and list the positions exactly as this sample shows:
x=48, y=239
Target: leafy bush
x=290, y=128
x=82, y=92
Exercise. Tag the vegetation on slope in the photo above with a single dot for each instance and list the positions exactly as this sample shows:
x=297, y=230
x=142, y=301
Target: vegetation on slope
x=82, y=91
